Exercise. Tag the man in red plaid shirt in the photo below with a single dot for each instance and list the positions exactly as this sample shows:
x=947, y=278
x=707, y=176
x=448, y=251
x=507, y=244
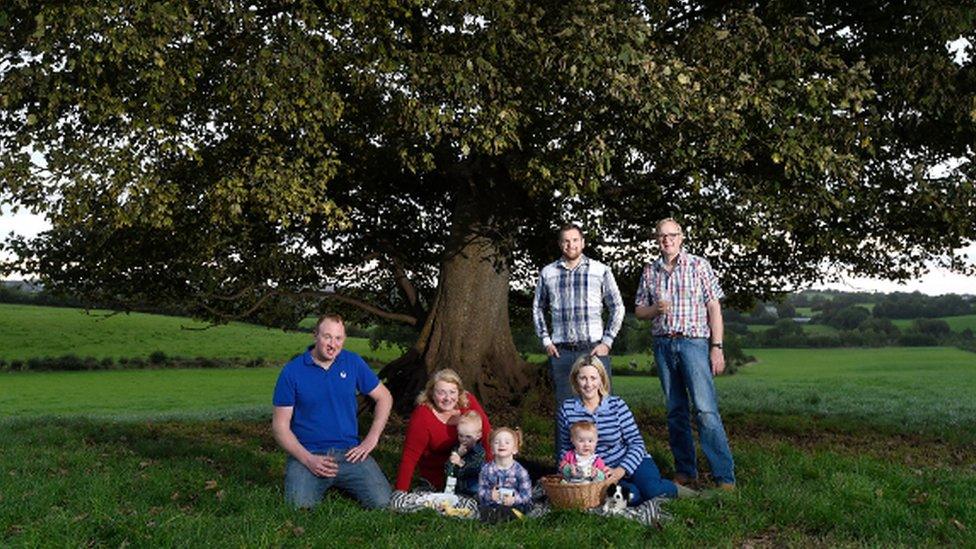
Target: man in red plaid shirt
x=681, y=296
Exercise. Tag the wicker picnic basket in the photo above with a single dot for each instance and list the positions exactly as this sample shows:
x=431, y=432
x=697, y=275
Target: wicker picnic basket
x=564, y=495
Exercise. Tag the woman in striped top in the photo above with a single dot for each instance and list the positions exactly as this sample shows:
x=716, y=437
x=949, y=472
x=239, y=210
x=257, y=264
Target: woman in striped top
x=619, y=442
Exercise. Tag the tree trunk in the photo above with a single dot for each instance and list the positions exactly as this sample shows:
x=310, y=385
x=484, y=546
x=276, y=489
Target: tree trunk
x=467, y=328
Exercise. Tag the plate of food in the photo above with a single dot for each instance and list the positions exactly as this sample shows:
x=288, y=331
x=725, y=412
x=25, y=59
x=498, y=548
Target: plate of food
x=438, y=500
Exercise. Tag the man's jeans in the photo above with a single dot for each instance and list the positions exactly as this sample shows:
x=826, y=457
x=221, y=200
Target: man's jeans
x=559, y=369
x=684, y=369
x=363, y=480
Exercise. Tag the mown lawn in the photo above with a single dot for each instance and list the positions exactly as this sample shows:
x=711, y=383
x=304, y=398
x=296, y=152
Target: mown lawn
x=833, y=448
x=926, y=389
x=28, y=331
x=898, y=389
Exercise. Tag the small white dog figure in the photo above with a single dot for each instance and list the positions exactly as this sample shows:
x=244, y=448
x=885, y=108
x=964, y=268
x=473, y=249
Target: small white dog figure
x=617, y=498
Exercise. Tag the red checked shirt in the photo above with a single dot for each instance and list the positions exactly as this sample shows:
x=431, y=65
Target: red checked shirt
x=689, y=286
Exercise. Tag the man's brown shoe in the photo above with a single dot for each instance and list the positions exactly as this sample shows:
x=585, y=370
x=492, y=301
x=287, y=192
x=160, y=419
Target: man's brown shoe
x=727, y=486
x=683, y=479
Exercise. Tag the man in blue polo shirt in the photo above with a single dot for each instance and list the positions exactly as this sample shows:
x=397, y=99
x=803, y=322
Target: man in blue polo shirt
x=315, y=421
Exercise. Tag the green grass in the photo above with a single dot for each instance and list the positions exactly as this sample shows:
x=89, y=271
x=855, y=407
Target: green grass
x=29, y=331
x=833, y=447
x=202, y=483
x=138, y=393
x=913, y=390
x=956, y=323
x=804, y=311
x=910, y=389
x=809, y=329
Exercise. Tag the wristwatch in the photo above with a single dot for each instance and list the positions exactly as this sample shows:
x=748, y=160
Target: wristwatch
x=718, y=345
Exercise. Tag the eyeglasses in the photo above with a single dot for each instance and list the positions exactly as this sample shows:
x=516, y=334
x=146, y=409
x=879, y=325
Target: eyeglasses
x=665, y=236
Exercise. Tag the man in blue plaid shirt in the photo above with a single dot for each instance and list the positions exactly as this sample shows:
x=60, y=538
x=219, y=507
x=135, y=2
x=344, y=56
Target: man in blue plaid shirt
x=680, y=294
x=574, y=289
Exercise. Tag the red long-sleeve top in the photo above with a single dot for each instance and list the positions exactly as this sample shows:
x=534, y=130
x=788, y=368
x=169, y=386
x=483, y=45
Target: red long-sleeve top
x=429, y=442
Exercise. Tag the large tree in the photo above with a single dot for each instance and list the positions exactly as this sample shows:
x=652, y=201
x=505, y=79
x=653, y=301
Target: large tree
x=261, y=159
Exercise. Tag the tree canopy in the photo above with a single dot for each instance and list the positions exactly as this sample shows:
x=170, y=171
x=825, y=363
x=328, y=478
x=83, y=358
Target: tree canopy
x=248, y=158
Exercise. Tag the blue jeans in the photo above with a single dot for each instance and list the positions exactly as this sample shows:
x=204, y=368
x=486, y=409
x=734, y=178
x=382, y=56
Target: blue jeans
x=685, y=371
x=559, y=370
x=646, y=483
x=363, y=480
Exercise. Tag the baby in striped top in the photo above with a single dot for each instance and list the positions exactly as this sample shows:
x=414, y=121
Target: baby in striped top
x=581, y=464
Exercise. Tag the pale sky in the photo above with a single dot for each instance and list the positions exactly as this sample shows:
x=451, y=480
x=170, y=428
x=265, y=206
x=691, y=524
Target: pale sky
x=936, y=282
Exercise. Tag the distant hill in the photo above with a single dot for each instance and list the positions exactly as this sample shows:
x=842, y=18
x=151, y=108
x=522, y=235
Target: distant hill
x=22, y=286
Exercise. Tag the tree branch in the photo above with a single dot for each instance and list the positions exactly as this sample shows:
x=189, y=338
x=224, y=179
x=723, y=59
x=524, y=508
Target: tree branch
x=404, y=283
x=372, y=309
x=349, y=300
x=703, y=12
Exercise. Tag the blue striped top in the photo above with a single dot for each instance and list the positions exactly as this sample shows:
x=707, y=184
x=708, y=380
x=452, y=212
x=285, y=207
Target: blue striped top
x=619, y=441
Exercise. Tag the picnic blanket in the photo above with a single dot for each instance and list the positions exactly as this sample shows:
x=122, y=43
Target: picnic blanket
x=649, y=513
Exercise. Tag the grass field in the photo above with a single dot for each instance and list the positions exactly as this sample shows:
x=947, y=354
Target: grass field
x=837, y=447
x=29, y=331
x=911, y=390
x=809, y=329
x=906, y=390
x=956, y=323
x=76, y=482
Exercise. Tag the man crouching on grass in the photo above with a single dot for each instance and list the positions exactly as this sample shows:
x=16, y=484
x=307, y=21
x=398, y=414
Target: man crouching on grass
x=315, y=421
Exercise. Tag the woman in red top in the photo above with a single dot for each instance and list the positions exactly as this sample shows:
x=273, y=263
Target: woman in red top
x=432, y=431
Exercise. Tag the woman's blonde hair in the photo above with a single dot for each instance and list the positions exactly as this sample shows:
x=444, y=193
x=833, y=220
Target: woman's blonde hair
x=427, y=395
x=516, y=436
x=594, y=361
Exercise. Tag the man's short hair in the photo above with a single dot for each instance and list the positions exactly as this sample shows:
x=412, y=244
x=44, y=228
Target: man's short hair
x=657, y=227
x=334, y=317
x=569, y=227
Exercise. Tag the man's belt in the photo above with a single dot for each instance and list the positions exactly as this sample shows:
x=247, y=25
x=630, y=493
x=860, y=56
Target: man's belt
x=577, y=345
x=672, y=335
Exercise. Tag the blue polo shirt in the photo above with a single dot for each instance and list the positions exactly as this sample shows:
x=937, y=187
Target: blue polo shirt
x=324, y=401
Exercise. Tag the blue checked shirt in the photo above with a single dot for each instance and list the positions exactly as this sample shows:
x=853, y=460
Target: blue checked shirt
x=618, y=440
x=575, y=298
